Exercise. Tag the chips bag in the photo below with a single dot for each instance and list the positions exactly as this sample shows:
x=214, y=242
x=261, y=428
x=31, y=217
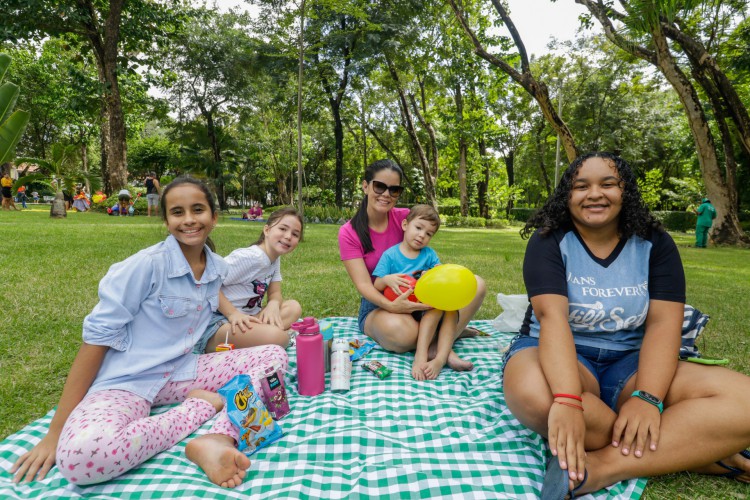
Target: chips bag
x=249, y=415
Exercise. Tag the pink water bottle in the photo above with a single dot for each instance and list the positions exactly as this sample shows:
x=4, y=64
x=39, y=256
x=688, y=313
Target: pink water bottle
x=303, y=323
x=310, y=365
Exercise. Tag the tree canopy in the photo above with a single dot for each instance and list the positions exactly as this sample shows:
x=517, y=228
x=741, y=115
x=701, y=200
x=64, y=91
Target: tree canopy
x=444, y=88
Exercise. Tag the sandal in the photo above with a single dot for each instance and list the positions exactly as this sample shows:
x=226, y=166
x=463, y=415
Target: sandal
x=556, y=480
x=733, y=471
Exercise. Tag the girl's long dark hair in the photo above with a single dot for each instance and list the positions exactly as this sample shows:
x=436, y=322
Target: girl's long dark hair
x=634, y=218
x=276, y=217
x=360, y=221
x=181, y=181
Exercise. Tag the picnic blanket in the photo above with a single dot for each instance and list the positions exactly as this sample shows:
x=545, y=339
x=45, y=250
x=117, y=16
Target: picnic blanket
x=392, y=438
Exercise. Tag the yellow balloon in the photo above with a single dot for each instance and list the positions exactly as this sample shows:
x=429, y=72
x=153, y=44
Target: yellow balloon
x=448, y=287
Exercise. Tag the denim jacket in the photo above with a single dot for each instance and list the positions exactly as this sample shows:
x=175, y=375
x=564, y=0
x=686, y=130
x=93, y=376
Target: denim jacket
x=151, y=312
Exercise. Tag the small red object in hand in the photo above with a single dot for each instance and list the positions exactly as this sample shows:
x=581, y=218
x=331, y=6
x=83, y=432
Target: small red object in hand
x=391, y=295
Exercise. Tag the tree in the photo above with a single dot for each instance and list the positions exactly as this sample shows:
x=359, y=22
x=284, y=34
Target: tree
x=12, y=123
x=210, y=66
x=525, y=78
x=648, y=21
x=115, y=31
x=61, y=170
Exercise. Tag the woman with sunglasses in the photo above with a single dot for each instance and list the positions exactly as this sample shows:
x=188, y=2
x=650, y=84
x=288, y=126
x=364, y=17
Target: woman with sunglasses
x=374, y=228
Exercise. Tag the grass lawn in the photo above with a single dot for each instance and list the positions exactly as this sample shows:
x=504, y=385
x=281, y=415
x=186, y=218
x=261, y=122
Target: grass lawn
x=51, y=270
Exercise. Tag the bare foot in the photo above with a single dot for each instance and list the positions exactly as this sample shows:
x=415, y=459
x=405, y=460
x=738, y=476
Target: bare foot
x=432, y=350
x=459, y=364
x=432, y=368
x=469, y=333
x=416, y=366
x=212, y=397
x=216, y=455
x=736, y=461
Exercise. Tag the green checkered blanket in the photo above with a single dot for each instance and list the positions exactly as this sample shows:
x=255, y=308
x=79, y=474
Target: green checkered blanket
x=392, y=438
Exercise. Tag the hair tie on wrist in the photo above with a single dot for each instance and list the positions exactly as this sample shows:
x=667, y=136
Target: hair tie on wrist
x=570, y=404
x=568, y=396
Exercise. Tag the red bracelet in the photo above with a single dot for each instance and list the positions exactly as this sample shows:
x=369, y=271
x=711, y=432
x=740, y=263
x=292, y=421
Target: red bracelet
x=570, y=404
x=569, y=396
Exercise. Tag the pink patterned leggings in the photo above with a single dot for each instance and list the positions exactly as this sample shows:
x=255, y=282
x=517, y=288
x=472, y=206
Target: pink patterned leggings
x=111, y=432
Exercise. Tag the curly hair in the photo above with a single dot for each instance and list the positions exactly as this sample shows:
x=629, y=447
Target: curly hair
x=634, y=217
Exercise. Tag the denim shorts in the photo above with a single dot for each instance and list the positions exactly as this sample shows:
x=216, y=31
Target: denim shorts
x=366, y=307
x=217, y=319
x=612, y=369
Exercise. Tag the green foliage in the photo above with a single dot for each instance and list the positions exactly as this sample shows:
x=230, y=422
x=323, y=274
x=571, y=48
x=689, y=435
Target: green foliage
x=139, y=202
x=449, y=206
x=717, y=281
x=459, y=221
x=676, y=221
x=315, y=195
x=497, y=223
x=12, y=123
x=62, y=169
x=151, y=154
x=650, y=187
x=327, y=213
x=522, y=214
x=684, y=194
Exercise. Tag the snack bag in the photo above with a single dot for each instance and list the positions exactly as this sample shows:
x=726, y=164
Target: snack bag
x=360, y=350
x=249, y=415
x=378, y=369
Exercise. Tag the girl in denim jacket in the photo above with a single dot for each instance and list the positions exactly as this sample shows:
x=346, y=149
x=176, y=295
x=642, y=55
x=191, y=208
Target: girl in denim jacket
x=137, y=353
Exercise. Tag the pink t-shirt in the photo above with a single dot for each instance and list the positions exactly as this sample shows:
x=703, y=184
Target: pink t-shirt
x=351, y=247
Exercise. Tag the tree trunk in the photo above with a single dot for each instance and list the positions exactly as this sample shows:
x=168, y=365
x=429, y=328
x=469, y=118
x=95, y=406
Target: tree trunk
x=105, y=49
x=104, y=147
x=85, y=164
x=727, y=227
x=363, y=128
x=216, y=150
x=703, y=62
x=433, y=157
x=338, y=134
x=484, y=183
x=721, y=117
x=385, y=146
x=540, y=143
x=335, y=98
x=300, y=79
x=462, y=150
x=429, y=181
x=510, y=171
x=538, y=90
x=117, y=154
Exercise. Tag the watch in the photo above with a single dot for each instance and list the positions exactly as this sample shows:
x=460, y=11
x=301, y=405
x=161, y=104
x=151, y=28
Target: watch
x=649, y=398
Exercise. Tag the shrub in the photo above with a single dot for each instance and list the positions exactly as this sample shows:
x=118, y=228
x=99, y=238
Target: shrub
x=522, y=214
x=329, y=214
x=497, y=223
x=140, y=204
x=458, y=221
x=676, y=221
x=449, y=206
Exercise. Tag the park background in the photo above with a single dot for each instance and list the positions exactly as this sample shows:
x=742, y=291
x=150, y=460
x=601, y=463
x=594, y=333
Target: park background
x=286, y=102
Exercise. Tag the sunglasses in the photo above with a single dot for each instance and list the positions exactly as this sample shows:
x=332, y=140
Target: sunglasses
x=380, y=187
